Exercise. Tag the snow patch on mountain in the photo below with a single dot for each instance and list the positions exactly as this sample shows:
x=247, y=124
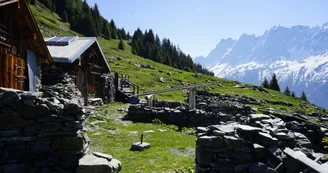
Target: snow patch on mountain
x=297, y=55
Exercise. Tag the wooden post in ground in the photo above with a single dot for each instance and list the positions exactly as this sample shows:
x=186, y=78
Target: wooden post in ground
x=192, y=98
x=149, y=99
x=138, y=89
x=116, y=83
x=86, y=80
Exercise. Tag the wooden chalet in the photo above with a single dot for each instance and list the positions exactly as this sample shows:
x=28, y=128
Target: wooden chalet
x=22, y=47
x=85, y=62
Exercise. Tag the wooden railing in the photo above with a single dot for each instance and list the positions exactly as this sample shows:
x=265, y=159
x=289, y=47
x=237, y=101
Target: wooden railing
x=124, y=83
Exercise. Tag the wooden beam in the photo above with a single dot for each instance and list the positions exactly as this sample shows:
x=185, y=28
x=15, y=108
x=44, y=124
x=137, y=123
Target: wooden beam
x=192, y=98
x=95, y=73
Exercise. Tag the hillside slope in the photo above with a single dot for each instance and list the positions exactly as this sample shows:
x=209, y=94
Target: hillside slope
x=123, y=61
x=172, y=150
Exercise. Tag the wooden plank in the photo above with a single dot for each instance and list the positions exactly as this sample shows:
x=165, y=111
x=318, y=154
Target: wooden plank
x=6, y=71
x=15, y=80
x=21, y=73
x=12, y=71
x=1, y=68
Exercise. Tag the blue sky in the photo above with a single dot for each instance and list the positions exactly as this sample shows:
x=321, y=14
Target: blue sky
x=197, y=26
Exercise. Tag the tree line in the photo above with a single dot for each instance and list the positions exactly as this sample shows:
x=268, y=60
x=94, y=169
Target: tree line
x=84, y=19
x=88, y=21
x=273, y=84
x=149, y=46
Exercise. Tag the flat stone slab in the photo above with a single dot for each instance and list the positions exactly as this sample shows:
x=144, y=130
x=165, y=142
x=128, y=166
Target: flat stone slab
x=149, y=131
x=256, y=117
x=247, y=128
x=138, y=146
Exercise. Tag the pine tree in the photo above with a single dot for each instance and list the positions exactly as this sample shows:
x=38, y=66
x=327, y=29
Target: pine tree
x=303, y=96
x=97, y=19
x=121, y=45
x=113, y=29
x=265, y=83
x=106, y=31
x=287, y=91
x=293, y=94
x=54, y=7
x=47, y=3
x=90, y=28
x=65, y=16
x=274, y=83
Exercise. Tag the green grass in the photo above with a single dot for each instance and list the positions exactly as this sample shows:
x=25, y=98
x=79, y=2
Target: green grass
x=49, y=22
x=171, y=151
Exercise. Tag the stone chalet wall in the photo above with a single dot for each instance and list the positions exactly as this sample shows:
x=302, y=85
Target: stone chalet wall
x=43, y=132
x=58, y=73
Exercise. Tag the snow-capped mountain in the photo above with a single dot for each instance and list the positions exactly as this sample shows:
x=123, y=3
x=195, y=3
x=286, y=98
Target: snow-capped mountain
x=297, y=55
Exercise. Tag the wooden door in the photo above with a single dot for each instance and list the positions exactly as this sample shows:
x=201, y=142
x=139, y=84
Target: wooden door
x=13, y=69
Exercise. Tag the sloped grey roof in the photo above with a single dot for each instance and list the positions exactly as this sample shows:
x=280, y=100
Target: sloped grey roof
x=73, y=51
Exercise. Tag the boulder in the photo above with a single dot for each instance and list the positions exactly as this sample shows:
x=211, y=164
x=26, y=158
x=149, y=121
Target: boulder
x=93, y=164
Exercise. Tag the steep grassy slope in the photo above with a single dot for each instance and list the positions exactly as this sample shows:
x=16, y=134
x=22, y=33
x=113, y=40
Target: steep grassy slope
x=49, y=22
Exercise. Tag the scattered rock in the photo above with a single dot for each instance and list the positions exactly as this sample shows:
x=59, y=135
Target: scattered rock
x=161, y=79
x=140, y=146
x=149, y=131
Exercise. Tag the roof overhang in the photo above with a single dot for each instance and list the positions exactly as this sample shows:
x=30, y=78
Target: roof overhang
x=7, y=2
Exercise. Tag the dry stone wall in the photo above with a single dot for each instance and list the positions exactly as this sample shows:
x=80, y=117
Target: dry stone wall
x=43, y=132
x=177, y=114
x=258, y=145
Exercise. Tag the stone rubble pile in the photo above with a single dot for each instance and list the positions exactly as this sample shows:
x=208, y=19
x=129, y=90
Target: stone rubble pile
x=257, y=146
x=43, y=132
